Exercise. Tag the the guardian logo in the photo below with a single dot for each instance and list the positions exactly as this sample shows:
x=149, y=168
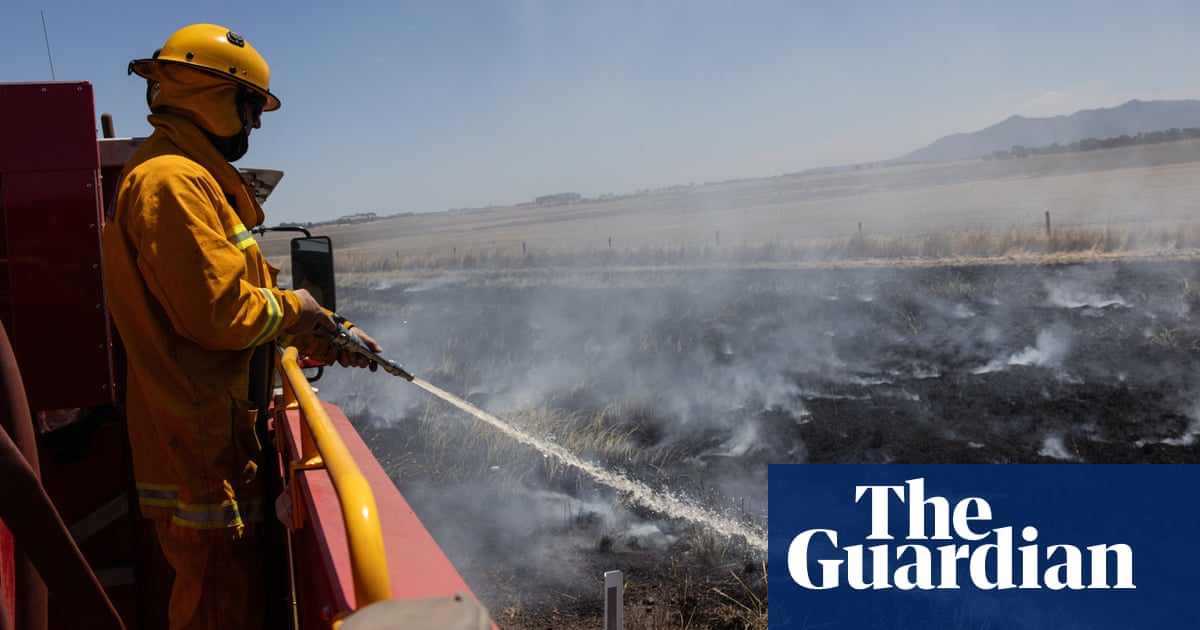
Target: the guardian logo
x=996, y=546
x=948, y=546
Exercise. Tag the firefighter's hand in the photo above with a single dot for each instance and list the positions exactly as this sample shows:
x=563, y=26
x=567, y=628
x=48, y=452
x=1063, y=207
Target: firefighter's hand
x=312, y=315
x=347, y=358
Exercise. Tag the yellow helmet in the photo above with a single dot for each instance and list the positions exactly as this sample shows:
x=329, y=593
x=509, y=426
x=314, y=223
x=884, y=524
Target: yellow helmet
x=216, y=50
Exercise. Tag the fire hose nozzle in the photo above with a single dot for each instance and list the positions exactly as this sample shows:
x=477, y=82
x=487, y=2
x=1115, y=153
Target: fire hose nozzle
x=346, y=339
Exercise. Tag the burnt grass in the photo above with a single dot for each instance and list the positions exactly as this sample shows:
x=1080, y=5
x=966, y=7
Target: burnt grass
x=724, y=371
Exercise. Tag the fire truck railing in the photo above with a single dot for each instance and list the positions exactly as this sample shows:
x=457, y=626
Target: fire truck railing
x=322, y=448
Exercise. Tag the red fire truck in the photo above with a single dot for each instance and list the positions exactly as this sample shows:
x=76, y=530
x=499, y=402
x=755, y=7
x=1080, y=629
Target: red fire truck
x=74, y=552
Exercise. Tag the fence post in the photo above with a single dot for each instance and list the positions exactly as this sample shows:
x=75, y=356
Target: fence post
x=614, y=583
x=1047, y=223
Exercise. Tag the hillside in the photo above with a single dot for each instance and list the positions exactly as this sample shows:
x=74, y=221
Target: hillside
x=1128, y=119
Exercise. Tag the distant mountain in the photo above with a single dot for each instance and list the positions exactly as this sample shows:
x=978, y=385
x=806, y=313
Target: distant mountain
x=1110, y=122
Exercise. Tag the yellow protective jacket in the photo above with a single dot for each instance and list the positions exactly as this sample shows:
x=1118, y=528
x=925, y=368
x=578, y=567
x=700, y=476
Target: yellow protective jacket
x=192, y=296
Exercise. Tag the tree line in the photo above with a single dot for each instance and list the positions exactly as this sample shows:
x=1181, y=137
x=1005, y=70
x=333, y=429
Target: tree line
x=1093, y=144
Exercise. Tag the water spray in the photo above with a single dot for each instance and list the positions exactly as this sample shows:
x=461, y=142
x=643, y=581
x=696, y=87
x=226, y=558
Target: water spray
x=345, y=339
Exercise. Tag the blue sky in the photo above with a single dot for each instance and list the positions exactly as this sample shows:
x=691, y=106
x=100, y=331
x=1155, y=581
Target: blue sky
x=423, y=106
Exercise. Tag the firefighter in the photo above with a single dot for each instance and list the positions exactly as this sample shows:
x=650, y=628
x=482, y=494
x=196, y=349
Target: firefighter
x=196, y=305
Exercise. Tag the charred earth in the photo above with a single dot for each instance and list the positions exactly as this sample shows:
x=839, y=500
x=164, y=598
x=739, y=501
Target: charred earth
x=691, y=381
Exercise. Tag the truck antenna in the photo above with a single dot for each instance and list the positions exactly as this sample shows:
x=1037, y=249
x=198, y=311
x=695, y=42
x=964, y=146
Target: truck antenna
x=46, y=34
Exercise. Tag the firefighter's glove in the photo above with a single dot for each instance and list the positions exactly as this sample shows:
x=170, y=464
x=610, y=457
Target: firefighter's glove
x=348, y=358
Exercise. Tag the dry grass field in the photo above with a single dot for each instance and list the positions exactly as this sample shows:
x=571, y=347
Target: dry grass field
x=1150, y=188
x=732, y=325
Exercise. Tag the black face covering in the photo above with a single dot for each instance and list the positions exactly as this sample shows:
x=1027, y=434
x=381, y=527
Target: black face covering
x=232, y=148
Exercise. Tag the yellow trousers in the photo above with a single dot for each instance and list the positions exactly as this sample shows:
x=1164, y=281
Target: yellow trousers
x=218, y=584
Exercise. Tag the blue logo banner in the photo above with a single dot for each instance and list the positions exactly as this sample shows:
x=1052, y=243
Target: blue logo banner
x=984, y=546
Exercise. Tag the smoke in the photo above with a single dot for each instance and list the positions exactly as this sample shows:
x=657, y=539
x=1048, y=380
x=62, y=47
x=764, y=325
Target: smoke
x=1053, y=447
x=1187, y=437
x=729, y=370
x=1079, y=291
x=1049, y=351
